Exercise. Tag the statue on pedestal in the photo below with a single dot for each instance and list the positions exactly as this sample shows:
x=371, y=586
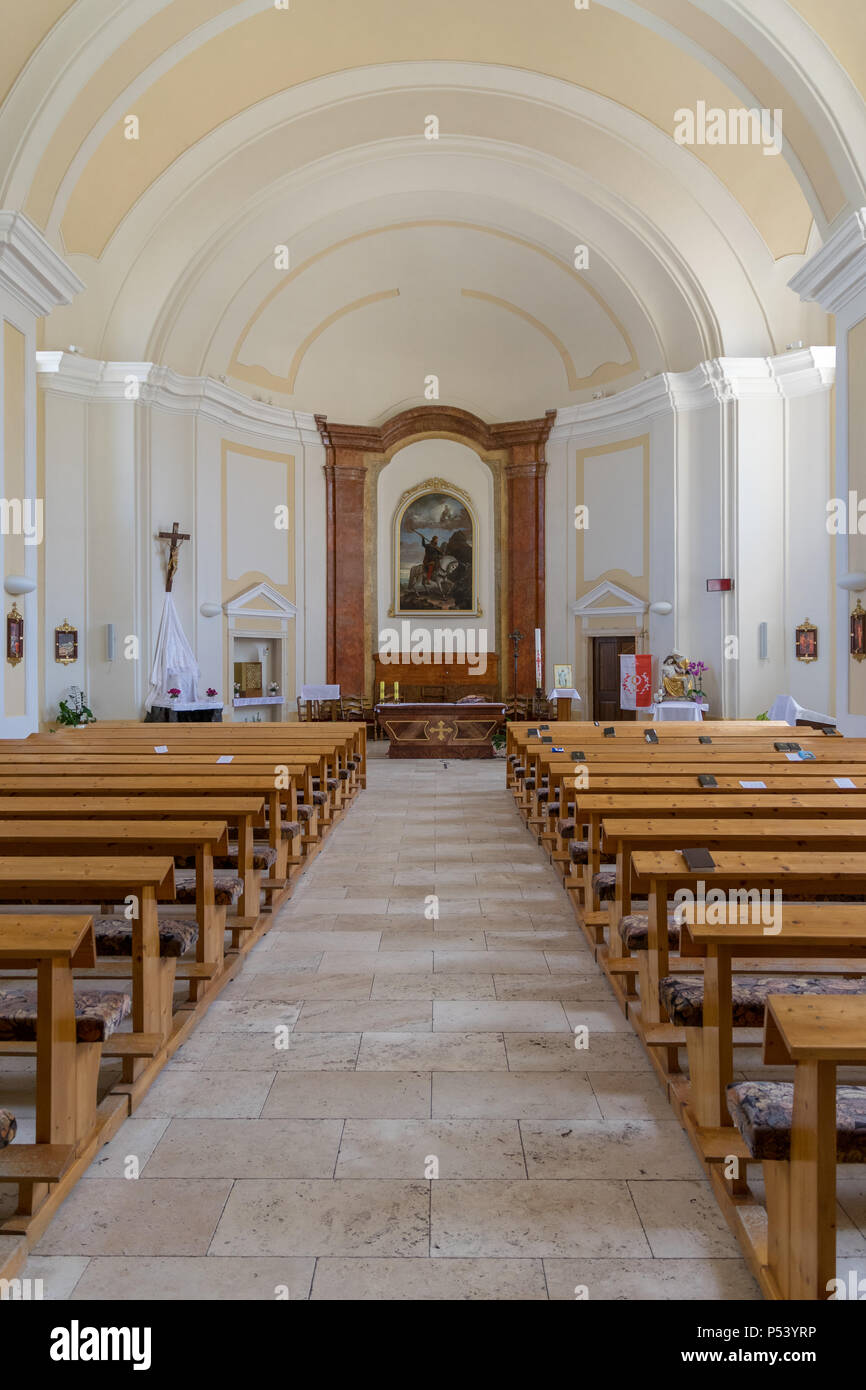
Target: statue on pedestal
x=676, y=678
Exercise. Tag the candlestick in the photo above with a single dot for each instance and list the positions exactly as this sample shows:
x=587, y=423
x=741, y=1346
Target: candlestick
x=396, y=692
x=538, y=664
x=381, y=690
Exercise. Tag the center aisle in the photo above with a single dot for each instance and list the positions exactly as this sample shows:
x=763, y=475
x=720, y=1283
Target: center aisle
x=290, y=1142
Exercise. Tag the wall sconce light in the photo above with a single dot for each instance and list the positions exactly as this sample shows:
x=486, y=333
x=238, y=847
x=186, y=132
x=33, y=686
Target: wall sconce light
x=18, y=584
x=855, y=582
x=210, y=610
x=662, y=607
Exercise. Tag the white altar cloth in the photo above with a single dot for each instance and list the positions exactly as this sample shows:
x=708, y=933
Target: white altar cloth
x=786, y=707
x=679, y=709
x=320, y=692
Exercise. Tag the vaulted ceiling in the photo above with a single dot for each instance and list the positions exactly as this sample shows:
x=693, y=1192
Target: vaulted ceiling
x=306, y=128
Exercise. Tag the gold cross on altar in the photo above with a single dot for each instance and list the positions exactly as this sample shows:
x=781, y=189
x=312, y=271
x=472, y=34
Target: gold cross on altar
x=441, y=730
x=175, y=537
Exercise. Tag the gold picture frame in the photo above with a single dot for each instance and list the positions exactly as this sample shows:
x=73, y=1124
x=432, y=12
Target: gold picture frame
x=857, y=628
x=563, y=677
x=806, y=641
x=423, y=586
x=14, y=636
x=66, y=644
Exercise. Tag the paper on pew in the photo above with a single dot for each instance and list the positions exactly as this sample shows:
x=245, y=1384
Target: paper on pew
x=754, y=786
x=225, y=758
x=161, y=748
x=844, y=782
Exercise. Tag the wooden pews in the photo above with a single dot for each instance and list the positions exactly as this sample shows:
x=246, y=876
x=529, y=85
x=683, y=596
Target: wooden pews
x=179, y=859
x=770, y=934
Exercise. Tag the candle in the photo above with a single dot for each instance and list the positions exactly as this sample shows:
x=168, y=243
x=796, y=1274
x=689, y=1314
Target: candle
x=381, y=690
x=396, y=691
x=538, y=670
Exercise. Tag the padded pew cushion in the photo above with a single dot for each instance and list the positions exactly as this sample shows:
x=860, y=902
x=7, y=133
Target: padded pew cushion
x=290, y=827
x=683, y=996
x=634, y=930
x=8, y=1127
x=565, y=827
x=306, y=812
x=114, y=935
x=763, y=1111
x=604, y=884
x=264, y=857
x=227, y=887
x=98, y=1013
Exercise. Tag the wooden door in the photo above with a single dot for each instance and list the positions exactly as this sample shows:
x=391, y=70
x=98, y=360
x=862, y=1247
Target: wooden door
x=606, y=652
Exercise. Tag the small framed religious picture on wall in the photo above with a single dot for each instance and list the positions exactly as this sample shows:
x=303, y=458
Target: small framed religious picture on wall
x=563, y=678
x=14, y=636
x=806, y=642
x=65, y=644
x=858, y=632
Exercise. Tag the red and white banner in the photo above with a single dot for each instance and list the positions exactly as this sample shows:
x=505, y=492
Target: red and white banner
x=635, y=682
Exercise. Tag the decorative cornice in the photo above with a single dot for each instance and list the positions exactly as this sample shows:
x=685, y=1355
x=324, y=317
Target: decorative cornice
x=30, y=268
x=719, y=381
x=628, y=604
x=439, y=420
x=238, y=606
x=87, y=378
x=836, y=273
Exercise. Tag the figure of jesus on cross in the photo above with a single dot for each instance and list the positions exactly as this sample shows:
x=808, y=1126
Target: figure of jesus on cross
x=176, y=538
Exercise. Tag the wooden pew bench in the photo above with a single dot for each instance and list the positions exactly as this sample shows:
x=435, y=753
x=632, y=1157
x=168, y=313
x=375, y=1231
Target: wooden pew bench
x=666, y=871
x=68, y=1029
x=799, y=1132
x=42, y=879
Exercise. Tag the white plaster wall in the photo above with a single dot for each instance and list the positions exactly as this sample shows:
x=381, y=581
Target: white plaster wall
x=18, y=725
x=458, y=464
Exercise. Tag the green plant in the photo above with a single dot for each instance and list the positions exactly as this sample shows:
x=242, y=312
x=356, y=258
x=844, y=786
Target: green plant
x=74, y=709
x=762, y=716
x=497, y=738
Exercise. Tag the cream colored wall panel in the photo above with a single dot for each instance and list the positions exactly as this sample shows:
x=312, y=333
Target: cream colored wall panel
x=65, y=547
x=14, y=487
x=255, y=486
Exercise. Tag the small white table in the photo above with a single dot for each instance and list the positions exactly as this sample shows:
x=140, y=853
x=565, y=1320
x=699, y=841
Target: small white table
x=679, y=709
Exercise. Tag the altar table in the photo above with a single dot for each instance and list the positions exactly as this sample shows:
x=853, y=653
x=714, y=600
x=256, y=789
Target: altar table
x=440, y=730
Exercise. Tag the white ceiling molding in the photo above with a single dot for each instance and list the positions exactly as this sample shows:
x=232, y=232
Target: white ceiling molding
x=591, y=605
x=30, y=268
x=836, y=273
x=84, y=377
x=722, y=379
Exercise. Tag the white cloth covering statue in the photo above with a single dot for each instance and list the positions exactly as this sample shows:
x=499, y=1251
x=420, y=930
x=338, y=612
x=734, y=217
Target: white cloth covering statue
x=174, y=664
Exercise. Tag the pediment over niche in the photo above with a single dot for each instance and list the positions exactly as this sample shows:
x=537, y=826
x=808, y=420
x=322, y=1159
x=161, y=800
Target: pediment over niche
x=260, y=601
x=608, y=599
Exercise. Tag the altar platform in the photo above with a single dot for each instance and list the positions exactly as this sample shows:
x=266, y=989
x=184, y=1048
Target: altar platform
x=432, y=730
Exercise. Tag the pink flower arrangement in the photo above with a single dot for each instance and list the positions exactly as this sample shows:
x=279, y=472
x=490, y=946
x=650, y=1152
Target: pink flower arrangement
x=174, y=692
x=210, y=692
x=696, y=671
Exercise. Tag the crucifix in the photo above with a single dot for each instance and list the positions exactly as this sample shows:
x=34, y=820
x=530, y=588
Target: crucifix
x=175, y=539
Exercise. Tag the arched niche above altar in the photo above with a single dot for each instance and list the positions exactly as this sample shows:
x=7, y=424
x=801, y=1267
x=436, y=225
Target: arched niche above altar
x=437, y=488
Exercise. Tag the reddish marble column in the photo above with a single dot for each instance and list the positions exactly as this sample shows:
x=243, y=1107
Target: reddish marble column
x=525, y=488
x=345, y=480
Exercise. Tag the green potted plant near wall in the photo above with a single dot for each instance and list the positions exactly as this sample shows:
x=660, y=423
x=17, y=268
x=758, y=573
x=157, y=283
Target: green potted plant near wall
x=74, y=711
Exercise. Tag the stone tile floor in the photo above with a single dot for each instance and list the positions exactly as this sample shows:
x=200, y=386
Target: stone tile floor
x=411, y=1011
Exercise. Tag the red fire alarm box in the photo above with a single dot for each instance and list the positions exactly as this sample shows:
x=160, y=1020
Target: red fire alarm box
x=719, y=586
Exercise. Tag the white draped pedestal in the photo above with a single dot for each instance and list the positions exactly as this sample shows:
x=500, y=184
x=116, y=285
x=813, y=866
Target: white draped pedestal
x=563, y=700
x=679, y=709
